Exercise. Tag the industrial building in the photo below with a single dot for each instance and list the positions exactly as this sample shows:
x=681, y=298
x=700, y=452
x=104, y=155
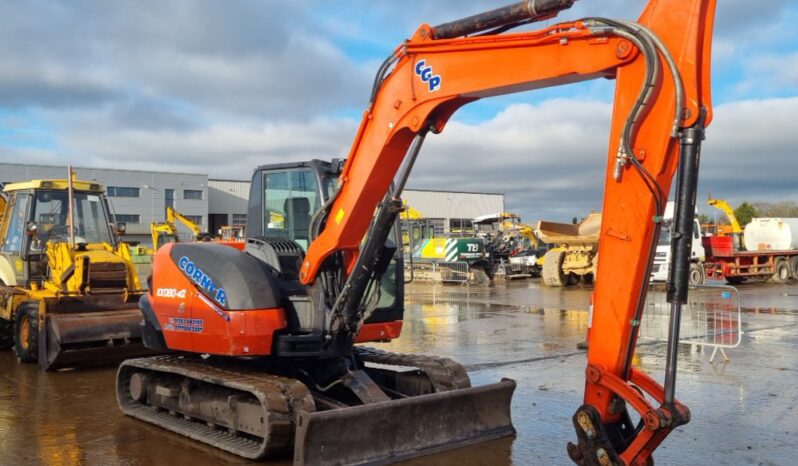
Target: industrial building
x=227, y=203
x=139, y=197
x=448, y=211
x=452, y=211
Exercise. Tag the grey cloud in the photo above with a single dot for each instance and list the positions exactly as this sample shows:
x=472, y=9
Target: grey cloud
x=229, y=150
x=220, y=87
x=549, y=158
x=147, y=114
x=50, y=85
x=248, y=59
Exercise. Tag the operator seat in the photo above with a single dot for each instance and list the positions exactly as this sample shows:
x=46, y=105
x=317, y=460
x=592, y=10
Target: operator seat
x=297, y=210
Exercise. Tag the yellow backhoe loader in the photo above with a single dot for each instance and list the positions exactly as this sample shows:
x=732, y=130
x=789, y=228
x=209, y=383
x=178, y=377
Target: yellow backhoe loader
x=68, y=288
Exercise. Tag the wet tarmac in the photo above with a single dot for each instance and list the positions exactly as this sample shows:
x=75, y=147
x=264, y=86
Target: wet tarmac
x=744, y=410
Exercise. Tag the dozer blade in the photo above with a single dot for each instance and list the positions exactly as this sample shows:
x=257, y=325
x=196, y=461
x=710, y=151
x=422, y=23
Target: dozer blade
x=386, y=432
x=89, y=338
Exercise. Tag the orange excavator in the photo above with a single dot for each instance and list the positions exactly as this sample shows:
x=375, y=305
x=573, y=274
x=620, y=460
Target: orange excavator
x=265, y=332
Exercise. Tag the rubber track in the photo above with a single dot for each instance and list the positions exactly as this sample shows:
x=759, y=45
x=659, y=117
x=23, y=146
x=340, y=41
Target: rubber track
x=280, y=397
x=444, y=373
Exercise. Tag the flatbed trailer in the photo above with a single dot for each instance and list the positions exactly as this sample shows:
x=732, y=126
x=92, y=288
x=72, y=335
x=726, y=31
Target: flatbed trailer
x=724, y=263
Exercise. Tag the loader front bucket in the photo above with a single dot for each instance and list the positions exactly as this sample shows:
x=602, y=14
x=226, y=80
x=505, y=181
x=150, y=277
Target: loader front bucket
x=90, y=338
x=386, y=432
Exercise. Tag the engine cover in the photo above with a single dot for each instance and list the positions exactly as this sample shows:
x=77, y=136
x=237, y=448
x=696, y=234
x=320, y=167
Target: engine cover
x=211, y=298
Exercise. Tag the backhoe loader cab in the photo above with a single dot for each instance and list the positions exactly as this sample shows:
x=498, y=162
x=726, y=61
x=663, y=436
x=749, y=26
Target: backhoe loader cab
x=68, y=288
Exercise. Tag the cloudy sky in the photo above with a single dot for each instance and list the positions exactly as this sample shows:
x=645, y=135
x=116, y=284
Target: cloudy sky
x=220, y=87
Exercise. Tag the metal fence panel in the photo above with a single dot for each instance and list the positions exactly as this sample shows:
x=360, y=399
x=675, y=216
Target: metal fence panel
x=453, y=272
x=443, y=272
x=711, y=317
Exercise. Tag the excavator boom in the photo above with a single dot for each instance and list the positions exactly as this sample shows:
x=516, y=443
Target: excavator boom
x=662, y=105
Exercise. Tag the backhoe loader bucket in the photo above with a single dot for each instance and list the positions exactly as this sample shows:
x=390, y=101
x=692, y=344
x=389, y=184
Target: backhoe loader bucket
x=390, y=431
x=89, y=338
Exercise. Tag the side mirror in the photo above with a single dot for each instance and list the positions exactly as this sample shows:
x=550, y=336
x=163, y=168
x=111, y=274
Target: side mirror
x=32, y=228
x=121, y=227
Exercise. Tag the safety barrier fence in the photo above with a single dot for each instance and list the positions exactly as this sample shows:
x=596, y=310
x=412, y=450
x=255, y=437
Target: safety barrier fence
x=456, y=272
x=711, y=318
x=446, y=272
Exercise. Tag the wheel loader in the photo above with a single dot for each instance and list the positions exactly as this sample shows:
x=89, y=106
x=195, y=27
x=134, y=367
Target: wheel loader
x=68, y=287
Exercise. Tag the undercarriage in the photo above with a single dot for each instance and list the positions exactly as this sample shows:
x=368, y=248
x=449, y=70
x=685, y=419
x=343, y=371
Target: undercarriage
x=264, y=409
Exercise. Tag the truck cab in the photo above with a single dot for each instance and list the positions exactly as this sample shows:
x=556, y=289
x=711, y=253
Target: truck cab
x=662, y=256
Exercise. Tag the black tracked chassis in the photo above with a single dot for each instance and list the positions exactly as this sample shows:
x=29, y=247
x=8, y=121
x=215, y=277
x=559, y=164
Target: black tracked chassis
x=174, y=384
x=237, y=407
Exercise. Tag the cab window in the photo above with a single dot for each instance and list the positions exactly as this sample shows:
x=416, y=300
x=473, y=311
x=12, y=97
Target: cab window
x=290, y=199
x=17, y=218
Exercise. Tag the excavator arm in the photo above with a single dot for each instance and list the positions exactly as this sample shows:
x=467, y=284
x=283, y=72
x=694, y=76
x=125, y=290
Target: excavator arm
x=529, y=233
x=662, y=105
x=168, y=228
x=724, y=206
x=173, y=216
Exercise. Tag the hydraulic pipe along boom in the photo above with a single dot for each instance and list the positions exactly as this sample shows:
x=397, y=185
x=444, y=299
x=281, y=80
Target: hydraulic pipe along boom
x=527, y=11
x=373, y=252
x=681, y=244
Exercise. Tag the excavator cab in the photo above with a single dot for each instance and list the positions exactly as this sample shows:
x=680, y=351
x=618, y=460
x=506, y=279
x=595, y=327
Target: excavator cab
x=284, y=197
x=283, y=200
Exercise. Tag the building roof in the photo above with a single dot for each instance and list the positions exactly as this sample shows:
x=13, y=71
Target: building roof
x=454, y=192
x=101, y=168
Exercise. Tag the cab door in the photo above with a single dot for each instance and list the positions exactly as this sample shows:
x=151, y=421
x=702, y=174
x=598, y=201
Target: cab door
x=14, y=238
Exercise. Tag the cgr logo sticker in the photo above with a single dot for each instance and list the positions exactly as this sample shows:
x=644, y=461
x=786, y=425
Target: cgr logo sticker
x=425, y=73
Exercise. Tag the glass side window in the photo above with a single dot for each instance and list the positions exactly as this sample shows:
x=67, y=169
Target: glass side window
x=91, y=221
x=15, y=232
x=51, y=212
x=290, y=199
x=665, y=234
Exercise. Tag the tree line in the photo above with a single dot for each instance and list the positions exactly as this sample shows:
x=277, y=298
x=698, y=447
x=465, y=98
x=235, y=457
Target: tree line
x=748, y=210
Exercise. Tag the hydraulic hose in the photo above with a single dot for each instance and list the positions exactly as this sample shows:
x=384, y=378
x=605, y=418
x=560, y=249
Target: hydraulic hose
x=522, y=12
